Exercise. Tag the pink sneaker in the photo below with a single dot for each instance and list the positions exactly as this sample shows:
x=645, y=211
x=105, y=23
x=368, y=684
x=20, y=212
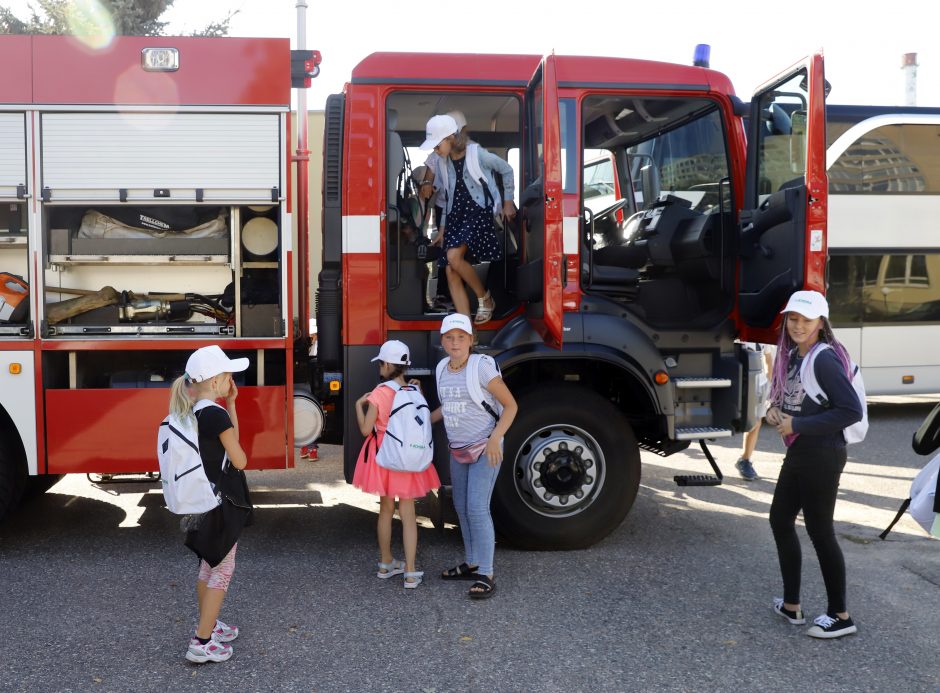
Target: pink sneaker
x=212, y=651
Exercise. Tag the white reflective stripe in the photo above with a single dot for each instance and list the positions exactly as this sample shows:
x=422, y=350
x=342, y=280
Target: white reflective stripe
x=569, y=235
x=18, y=398
x=361, y=234
x=287, y=239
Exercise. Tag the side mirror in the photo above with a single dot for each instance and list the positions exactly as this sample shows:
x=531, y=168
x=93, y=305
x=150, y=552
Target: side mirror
x=649, y=180
x=798, y=142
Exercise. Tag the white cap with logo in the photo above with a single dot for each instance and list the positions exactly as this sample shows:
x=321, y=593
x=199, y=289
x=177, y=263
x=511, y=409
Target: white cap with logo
x=210, y=361
x=438, y=128
x=456, y=321
x=394, y=352
x=809, y=304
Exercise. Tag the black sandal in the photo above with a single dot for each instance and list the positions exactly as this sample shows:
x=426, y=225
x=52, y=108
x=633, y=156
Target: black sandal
x=483, y=588
x=460, y=572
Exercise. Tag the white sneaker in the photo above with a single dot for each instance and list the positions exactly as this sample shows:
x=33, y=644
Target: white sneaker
x=212, y=651
x=223, y=633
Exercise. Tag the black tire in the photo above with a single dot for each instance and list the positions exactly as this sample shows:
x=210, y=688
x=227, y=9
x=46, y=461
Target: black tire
x=13, y=475
x=565, y=440
x=38, y=485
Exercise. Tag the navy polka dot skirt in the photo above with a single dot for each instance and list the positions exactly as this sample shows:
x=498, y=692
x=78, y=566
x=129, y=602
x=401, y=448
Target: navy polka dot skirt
x=471, y=225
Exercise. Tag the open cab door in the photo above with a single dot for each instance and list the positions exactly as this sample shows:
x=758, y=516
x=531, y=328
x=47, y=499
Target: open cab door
x=783, y=223
x=541, y=274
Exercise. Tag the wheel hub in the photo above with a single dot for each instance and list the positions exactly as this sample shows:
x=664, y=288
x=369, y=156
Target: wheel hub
x=559, y=471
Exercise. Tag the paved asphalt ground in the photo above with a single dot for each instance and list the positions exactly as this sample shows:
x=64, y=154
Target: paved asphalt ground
x=96, y=592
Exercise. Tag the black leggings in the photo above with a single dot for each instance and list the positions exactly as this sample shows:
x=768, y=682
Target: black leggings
x=809, y=481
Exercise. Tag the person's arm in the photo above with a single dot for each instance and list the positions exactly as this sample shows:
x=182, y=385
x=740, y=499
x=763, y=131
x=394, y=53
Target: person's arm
x=494, y=446
x=844, y=408
x=236, y=455
x=437, y=415
x=229, y=437
x=366, y=414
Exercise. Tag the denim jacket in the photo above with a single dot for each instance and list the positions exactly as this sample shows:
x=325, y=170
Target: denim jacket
x=445, y=180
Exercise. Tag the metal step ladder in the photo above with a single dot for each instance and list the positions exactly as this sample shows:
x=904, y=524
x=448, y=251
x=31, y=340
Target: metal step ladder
x=701, y=479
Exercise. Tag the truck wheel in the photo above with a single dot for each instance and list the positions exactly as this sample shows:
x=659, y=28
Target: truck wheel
x=13, y=477
x=571, y=470
x=38, y=485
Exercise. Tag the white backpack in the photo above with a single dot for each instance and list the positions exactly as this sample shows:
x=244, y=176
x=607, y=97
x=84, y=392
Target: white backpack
x=408, y=445
x=473, y=382
x=921, y=501
x=856, y=432
x=923, y=493
x=186, y=488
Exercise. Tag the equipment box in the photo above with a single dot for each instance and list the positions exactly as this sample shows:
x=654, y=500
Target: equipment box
x=262, y=320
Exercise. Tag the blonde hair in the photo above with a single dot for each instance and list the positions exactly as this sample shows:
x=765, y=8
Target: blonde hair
x=181, y=402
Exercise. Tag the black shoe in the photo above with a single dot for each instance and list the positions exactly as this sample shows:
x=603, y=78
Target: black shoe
x=794, y=617
x=827, y=626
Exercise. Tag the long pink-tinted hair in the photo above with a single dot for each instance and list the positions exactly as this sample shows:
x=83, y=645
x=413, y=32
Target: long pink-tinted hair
x=786, y=347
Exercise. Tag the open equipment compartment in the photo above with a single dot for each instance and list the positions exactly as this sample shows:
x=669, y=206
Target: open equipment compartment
x=14, y=228
x=162, y=223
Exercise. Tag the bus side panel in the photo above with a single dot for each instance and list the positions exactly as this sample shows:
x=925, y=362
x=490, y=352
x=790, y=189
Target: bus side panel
x=115, y=431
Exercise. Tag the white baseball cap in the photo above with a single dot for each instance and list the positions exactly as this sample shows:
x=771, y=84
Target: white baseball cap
x=456, y=321
x=438, y=127
x=210, y=361
x=459, y=118
x=809, y=304
x=394, y=352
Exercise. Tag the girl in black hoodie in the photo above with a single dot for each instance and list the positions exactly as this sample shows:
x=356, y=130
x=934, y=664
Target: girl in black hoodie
x=816, y=455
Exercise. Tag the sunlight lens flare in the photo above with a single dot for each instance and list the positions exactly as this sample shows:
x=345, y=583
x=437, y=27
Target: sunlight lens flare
x=90, y=23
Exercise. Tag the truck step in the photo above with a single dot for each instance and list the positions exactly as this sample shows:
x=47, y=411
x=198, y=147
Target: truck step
x=699, y=382
x=702, y=433
x=702, y=479
x=696, y=480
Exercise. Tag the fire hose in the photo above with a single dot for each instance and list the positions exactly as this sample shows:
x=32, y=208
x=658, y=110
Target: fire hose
x=133, y=307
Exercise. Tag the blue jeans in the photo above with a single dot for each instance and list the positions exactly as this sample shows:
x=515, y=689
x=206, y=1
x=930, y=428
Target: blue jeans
x=473, y=487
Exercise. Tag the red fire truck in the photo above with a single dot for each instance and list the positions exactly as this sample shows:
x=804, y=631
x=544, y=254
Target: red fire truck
x=655, y=233
x=148, y=213
x=145, y=213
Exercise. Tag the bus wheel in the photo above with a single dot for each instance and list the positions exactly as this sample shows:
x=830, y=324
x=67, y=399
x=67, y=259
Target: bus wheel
x=571, y=470
x=13, y=477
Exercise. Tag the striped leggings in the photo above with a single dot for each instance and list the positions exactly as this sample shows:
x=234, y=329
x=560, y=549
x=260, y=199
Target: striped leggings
x=218, y=578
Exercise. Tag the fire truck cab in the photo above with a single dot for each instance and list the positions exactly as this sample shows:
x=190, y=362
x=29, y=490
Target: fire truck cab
x=654, y=235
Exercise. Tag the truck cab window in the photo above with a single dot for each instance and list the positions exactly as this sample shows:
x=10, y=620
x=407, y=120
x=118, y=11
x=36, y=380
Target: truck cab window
x=656, y=206
x=782, y=136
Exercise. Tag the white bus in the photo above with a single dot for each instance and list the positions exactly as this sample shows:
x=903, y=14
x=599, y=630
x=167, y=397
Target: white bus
x=884, y=243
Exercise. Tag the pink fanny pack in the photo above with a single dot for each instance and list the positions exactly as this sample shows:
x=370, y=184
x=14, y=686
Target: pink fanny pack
x=470, y=453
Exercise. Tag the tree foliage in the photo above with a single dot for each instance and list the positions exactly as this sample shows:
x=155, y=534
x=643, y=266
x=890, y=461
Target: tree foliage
x=129, y=18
